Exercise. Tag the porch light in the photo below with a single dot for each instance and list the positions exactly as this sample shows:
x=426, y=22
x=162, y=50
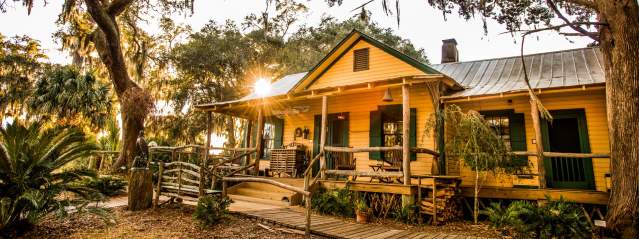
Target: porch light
x=262, y=87
x=387, y=96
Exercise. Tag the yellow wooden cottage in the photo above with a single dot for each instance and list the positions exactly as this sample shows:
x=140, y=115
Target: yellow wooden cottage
x=374, y=103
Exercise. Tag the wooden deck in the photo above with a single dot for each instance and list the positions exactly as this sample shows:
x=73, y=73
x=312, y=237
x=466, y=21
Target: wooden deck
x=336, y=228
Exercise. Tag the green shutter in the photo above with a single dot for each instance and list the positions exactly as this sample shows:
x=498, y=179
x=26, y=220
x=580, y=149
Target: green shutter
x=316, y=138
x=518, y=137
x=413, y=132
x=375, y=134
x=279, y=132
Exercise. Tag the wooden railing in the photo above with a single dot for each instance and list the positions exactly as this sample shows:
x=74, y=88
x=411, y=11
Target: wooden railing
x=372, y=149
x=307, y=194
x=562, y=155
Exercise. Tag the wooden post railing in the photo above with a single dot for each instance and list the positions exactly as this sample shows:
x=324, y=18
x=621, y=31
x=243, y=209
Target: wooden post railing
x=306, y=193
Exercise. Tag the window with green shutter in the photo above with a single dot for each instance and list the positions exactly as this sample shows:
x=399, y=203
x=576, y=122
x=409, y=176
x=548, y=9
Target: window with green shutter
x=509, y=126
x=273, y=136
x=386, y=129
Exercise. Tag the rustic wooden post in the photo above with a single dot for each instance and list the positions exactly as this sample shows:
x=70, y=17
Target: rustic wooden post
x=258, y=139
x=156, y=200
x=406, y=133
x=406, y=199
x=249, y=129
x=323, y=135
x=205, y=156
x=224, y=187
x=308, y=215
x=534, y=112
x=434, y=201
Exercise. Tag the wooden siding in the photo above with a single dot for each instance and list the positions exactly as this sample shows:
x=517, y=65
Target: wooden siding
x=594, y=104
x=382, y=66
x=359, y=106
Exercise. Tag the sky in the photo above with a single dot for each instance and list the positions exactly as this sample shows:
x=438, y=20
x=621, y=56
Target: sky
x=424, y=26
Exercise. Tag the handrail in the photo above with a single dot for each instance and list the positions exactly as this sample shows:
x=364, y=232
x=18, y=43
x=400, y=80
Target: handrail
x=562, y=154
x=378, y=149
x=237, y=170
x=232, y=159
x=268, y=181
x=310, y=164
x=304, y=192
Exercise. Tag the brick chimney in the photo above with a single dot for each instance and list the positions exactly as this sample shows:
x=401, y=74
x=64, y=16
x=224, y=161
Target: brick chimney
x=449, y=51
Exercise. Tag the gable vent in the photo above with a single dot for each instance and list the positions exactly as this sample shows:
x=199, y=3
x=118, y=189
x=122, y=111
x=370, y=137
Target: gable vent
x=360, y=59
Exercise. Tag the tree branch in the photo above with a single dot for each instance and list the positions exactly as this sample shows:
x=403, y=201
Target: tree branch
x=105, y=21
x=118, y=6
x=579, y=29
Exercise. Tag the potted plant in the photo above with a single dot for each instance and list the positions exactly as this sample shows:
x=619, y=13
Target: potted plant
x=362, y=211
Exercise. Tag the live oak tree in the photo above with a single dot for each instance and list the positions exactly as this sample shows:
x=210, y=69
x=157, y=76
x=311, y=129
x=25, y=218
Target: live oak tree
x=105, y=35
x=613, y=25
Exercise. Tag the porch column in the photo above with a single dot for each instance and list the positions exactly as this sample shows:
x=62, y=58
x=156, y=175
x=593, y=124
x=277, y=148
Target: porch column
x=258, y=139
x=323, y=136
x=406, y=133
x=205, y=157
x=534, y=112
x=249, y=126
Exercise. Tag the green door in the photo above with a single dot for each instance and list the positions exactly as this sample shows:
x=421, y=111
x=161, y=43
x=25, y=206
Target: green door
x=567, y=133
x=337, y=134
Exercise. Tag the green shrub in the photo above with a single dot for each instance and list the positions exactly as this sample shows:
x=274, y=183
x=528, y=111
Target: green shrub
x=555, y=219
x=211, y=209
x=107, y=185
x=338, y=202
x=33, y=174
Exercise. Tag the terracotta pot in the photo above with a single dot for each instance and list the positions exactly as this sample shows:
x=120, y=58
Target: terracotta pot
x=361, y=217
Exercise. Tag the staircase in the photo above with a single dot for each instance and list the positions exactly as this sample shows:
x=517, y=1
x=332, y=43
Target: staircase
x=266, y=193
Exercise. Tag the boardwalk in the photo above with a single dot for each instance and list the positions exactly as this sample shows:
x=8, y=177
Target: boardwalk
x=335, y=228
x=294, y=217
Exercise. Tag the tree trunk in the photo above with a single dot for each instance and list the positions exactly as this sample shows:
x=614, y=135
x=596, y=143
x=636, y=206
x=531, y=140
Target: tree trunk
x=140, y=189
x=619, y=47
x=135, y=103
x=476, y=201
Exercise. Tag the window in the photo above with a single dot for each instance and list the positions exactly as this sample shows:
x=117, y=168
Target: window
x=386, y=129
x=391, y=132
x=501, y=126
x=268, y=140
x=360, y=59
x=272, y=137
x=510, y=127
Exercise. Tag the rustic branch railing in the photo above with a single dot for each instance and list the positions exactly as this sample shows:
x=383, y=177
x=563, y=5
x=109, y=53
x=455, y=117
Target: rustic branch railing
x=563, y=155
x=378, y=149
x=307, y=194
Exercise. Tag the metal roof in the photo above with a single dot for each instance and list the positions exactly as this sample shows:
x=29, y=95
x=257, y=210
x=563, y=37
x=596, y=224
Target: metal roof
x=278, y=88
x=566, y=68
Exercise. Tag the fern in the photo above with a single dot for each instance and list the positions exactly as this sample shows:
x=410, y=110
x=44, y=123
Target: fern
x=211, y=210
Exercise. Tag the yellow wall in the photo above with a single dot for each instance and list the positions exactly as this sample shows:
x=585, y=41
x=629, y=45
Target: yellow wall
x=382, y=66
x=359, y=106
x=594, y=104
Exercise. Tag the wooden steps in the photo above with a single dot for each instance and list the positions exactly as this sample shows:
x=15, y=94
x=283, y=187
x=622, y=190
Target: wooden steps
x=266, y=193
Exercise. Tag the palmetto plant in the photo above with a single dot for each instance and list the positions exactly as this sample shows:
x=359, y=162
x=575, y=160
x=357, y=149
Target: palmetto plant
x=71, y=97
x=33, y=181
